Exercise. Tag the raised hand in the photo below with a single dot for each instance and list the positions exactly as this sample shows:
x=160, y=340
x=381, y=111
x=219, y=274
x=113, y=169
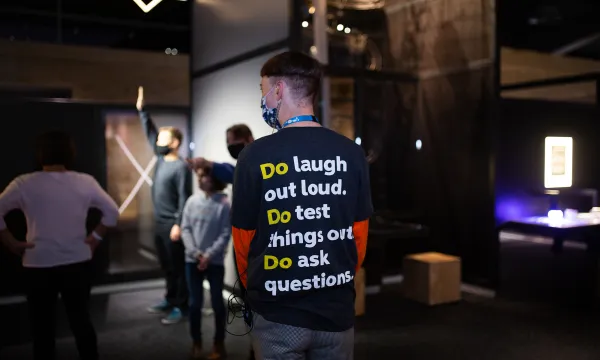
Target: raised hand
x=197, y=163
x=140, y=99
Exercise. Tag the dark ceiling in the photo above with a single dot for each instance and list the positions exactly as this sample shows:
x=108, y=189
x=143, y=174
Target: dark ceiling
x=567, y=27
x=112, y=23
x=571, y=27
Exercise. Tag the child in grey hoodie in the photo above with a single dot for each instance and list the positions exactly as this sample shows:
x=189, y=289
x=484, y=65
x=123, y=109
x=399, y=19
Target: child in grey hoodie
x=206, y=231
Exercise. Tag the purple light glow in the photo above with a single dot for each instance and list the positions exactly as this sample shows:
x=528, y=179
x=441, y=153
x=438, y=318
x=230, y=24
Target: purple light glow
x=509, y=209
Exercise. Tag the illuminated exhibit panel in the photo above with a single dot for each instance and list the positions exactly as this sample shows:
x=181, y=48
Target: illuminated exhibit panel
x=558, y=167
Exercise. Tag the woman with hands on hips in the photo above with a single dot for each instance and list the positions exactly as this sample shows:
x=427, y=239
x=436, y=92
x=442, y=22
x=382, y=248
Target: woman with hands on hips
x=58, y=252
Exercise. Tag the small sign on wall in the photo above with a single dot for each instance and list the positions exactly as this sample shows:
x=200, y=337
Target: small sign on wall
x=558, y=169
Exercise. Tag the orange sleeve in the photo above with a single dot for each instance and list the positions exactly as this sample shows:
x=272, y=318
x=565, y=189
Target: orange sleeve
x=361, y=232
x=241, y=245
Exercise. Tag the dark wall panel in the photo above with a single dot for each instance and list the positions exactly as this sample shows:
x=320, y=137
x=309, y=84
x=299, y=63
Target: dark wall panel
x=447, y=183
x=22, y=123
x=454, y=178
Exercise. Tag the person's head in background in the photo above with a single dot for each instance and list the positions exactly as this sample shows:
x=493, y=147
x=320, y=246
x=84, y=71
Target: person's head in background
x=55, y=151
x=168, y=141
x=208, y=182
x=238, y=136
x=289, y=83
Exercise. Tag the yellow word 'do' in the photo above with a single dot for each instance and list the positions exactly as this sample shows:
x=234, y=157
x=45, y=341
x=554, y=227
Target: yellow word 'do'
x=268, y=170
x=271, y=262
x=275, y=216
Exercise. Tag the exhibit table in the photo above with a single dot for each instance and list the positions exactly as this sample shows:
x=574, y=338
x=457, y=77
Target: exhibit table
x=584, y=228
x=382, y=233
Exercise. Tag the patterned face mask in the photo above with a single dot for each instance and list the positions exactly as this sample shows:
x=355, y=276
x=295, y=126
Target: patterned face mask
x=270, y=116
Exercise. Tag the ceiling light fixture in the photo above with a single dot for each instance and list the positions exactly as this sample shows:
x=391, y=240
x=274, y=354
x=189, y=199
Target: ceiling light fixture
x=147, y=7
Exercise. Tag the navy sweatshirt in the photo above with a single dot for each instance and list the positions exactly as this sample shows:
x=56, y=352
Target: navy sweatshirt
x=171, y=182
x=224, y=172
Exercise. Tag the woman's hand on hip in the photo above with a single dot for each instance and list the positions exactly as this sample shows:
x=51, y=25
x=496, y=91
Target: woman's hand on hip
x=92, y=242
x=18, y=247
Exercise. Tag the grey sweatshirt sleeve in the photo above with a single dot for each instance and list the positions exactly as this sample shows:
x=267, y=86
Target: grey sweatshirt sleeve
x=187, y=234
x=225, y=234
x=149, y=129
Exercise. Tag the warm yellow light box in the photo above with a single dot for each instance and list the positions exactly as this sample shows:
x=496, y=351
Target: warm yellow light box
x=558, y=169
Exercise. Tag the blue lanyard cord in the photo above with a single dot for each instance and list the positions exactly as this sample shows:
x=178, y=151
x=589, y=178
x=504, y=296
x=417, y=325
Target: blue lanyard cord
x=300, y=118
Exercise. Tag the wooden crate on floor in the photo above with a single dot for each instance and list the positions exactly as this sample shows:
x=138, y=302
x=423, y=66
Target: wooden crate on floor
x=432, y=278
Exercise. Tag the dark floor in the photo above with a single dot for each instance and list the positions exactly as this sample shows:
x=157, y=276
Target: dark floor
x=126, y=254
x=393, y=328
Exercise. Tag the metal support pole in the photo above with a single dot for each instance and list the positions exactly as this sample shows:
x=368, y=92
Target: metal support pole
x=322, y=54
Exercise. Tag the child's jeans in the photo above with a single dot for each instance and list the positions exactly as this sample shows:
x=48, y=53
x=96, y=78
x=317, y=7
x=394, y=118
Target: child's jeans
x=195, y=278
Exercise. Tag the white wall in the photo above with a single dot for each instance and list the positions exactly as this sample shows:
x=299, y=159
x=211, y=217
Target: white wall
x=222, y=30
x=219, y=100
x=224, y=98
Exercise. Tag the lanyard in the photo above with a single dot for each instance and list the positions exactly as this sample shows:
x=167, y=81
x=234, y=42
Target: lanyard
x=300, y=118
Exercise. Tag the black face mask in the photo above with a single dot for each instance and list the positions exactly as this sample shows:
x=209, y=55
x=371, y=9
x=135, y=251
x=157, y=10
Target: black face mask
x=235, y=149
x=162, y=150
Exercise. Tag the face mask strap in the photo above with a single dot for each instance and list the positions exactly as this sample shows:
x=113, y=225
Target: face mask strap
x=278, y=108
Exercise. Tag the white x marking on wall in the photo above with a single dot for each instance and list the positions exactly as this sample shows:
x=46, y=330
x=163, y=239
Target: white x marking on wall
x=147, y=7
x=144, y=177
x=131, y=158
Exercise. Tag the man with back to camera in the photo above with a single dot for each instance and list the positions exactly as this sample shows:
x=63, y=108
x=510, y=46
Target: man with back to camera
x=300, y=217
x=170, y=189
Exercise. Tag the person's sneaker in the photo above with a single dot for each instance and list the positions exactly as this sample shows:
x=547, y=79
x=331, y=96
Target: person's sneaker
x=218, y=352
x=173, y=318
x=207, y=311
x=159, y=308
x=196, y=353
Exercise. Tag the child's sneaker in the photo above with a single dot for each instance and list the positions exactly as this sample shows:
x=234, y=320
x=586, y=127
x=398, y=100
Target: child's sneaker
x=173, y=318
x=159, y=308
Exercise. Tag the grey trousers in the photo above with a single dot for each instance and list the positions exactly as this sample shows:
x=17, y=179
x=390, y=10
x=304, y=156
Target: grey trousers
x=273, y=341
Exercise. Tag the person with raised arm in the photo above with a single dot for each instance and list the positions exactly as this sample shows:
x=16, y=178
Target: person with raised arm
x=170, y=190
